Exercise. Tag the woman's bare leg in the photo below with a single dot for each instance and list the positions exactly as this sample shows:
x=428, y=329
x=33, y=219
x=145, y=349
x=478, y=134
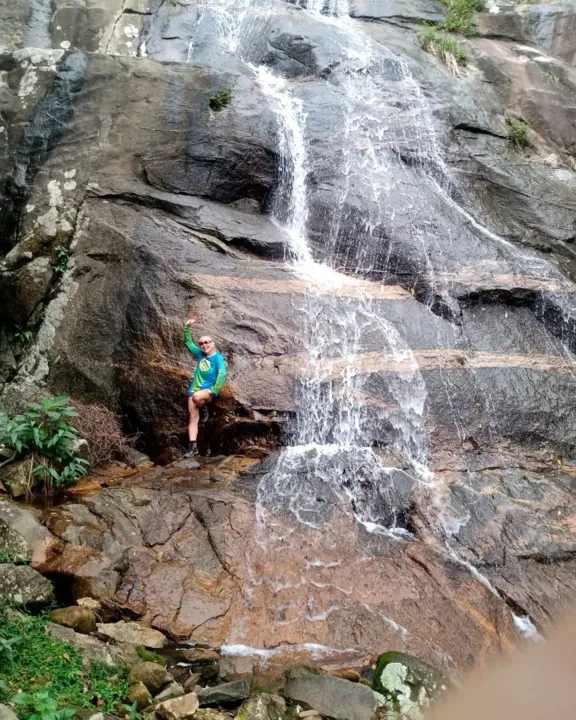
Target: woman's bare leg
x=194, y=418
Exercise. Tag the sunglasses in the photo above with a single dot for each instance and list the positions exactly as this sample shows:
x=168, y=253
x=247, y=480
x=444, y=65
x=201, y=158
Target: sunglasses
x=206, y=342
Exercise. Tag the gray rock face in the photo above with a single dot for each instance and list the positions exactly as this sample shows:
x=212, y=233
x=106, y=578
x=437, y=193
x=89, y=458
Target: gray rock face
x=333, y=697
x=12, y=544
x=17, y=477
x=6, y=713
x=231, y=693
x=22, y=584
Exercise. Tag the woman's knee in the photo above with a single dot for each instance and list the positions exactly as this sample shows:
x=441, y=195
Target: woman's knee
x=197, y=399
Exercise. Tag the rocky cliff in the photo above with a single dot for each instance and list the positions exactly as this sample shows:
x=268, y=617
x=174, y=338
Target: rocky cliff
x=126, y=201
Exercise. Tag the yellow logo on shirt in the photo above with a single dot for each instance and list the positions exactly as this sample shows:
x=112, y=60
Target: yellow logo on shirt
x=205, y=365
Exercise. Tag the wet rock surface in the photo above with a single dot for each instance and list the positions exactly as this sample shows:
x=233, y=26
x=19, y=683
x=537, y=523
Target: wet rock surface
x=109, y=149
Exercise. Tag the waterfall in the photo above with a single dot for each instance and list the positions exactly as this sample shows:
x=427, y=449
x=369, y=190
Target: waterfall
x=333, y=466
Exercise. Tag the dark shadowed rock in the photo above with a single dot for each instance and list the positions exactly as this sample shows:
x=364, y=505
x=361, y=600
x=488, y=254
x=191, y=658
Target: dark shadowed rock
x=333, y=697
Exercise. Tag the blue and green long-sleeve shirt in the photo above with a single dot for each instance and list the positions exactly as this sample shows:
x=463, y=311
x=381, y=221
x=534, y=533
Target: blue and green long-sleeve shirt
x=210, y=372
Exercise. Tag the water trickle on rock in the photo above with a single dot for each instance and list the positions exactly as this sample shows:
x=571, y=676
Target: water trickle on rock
x=352, y=461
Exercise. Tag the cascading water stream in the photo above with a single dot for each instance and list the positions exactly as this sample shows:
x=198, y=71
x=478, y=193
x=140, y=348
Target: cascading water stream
x=333, y=465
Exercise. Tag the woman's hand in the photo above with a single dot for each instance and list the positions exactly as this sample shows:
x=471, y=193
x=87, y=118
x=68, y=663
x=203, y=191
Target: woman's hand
x=190, y=321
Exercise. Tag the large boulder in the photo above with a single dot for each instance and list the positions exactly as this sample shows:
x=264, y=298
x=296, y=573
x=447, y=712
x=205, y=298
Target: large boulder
x=407, y=686
x=21, y=584
x=333, y=697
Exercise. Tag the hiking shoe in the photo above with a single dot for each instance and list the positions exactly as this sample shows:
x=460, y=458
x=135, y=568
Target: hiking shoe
x=204, y=414
x=192, y=451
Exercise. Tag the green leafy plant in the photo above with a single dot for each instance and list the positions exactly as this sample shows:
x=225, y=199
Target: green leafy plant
x=42, y=431
x=7, y=647
x=40, y=706
x=23, y=335
x=131, y=712
x=446, y=49
x=42, y=662
x=518, y=133
x=62, y=258
x=220, y=100
x=460, y=18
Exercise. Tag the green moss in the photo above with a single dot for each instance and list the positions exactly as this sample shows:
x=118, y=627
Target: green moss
x=220, y=100
x=149, y=656
x=445, y=48
x=41, y=661
x=518, y=133
x=461, y=14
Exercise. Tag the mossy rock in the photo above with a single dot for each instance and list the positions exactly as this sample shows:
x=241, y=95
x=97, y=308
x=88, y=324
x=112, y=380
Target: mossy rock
x=406, y=686
x=149, y=656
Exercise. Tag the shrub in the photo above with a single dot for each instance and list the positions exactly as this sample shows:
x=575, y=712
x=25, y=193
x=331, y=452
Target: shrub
x=220, y=100
x=460, y=17
x=100, y=428
x=444, y=48
x=42, y=431
x=518, y=133
x=41, y=663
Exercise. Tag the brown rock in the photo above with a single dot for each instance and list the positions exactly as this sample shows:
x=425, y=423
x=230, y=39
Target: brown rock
x=199, y=656
x=78, y=618
x=90, y=603
x=191, y=682
x=140, y=695
x=133, y=633
x=349, y=674
x=179, y=708
x=154, y=676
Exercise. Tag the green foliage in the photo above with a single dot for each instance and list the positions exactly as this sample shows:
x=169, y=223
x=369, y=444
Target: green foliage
x=131, y=712
x=23, y=335
x=518, y=133
x=43, y=664
x=40, y=706
x=446, y=49
x=220, y=100
x=149, y=656
x=7, y=557
x=7, y=647
x=42, y=430
x=62, y=258
x=460, y=17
